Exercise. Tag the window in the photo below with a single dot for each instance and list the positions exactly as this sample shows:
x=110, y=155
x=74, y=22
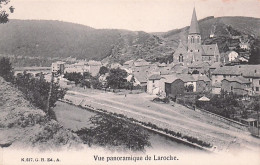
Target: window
x=192, y=39
x=231, y=88
x=153, y=81
x=259, y=82
x=257, y=89
x=180, y=58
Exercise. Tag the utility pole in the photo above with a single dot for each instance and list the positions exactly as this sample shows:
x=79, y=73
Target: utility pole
x=49, y=96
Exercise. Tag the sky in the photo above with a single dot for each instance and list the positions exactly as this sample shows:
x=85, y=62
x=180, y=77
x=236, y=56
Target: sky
x=136, y=15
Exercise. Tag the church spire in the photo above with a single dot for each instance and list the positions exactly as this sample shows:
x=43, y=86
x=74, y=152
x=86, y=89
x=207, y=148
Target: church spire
x=194, y=26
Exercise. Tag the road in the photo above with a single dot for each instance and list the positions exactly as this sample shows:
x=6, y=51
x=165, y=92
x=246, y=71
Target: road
x=177, y=118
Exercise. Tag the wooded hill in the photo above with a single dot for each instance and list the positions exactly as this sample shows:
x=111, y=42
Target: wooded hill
x=38, y=38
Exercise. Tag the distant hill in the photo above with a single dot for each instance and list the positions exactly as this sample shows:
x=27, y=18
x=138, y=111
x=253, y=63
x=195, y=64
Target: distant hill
x=225, y=29
x=56, y=39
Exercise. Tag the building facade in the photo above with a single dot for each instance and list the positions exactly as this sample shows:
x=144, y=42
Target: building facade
x=193, y=50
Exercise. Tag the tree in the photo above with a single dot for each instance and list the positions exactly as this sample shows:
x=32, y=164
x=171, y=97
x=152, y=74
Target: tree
x=74, y=76
x=255, y=55
x=3, y=12
x=110, y=131
x=195, y=72
x=103, y=70
x=6, y=70
x=189, y=88
x=116, y=78
x=36, y=90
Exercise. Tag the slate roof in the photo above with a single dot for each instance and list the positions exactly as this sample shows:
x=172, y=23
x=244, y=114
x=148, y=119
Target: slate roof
x=141, y=76
x=215, y=65
x=155, y=77
x=162, y=65
x=239, y=79
x=92, y=62
x=217, y=85
x=226, y=70
x=201, y=78
x=186, y=78
x=170, y=78
x=141, y=62
x=128, y=62
x=240, y=70
x=199, y=65
x=209, y=50
x=194, y=26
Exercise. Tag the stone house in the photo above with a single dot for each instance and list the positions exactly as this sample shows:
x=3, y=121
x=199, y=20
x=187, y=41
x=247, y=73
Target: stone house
x=155, y=85
x=238, y=85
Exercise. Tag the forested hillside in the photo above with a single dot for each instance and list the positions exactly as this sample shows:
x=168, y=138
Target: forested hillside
x=58, y=40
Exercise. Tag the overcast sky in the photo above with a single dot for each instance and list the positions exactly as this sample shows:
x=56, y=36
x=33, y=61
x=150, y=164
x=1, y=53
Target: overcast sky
x=145, y=15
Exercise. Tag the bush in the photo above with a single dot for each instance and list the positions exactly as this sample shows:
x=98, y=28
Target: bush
x=164, y=100
x=6, y=70
x=111, y=131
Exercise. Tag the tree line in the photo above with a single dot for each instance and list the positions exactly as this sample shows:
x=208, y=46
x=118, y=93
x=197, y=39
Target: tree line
x=116, y=79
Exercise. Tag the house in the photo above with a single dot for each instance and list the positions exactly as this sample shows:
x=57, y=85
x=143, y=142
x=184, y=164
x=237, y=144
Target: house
x=141, y=63
x=213, y=67
x=141, y=79
x=128, y=64
x=115, y=65
x=174, y=88
x=244, y=44
x=198, y=67
x=232, y=55
x=193, y=50
x=250, y=72
x=216, y=88
x=93, y=67
x=155, y=85
x=187, y=80
x=202, y=83
x=83, y=66
x=58, y=66
x=237, y=85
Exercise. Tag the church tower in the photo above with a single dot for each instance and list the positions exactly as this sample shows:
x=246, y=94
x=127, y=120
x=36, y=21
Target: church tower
x=194, y=38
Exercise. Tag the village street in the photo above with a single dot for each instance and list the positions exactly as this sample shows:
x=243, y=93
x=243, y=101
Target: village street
x=174, y=117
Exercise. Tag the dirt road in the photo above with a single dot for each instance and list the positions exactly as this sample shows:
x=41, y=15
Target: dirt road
x=178, y=118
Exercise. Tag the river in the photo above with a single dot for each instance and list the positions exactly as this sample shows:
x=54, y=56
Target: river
x=75, y=118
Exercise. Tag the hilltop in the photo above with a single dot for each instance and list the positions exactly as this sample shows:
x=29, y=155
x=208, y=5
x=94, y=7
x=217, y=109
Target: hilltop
x=59, y=40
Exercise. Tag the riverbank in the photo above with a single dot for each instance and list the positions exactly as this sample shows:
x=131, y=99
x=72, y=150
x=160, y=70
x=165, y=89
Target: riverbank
x=173, y=117
x=74, y=117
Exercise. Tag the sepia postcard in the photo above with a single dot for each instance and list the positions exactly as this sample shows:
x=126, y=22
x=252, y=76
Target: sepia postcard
x=93, y=82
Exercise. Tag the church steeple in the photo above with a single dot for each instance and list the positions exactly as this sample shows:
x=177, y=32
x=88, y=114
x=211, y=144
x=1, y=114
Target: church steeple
x=194, y=26
x=194, y=38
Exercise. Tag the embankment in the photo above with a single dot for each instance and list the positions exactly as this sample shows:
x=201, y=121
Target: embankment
x=22, y=125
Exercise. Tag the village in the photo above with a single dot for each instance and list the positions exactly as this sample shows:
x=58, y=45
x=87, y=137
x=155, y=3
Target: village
x=196, y=70
x=200, y=88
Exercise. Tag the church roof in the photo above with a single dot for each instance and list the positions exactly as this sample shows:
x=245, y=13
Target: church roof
x=210, y=50
x=194, y=26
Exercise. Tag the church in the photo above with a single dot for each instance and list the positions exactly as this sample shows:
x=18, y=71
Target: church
x=193, y=51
